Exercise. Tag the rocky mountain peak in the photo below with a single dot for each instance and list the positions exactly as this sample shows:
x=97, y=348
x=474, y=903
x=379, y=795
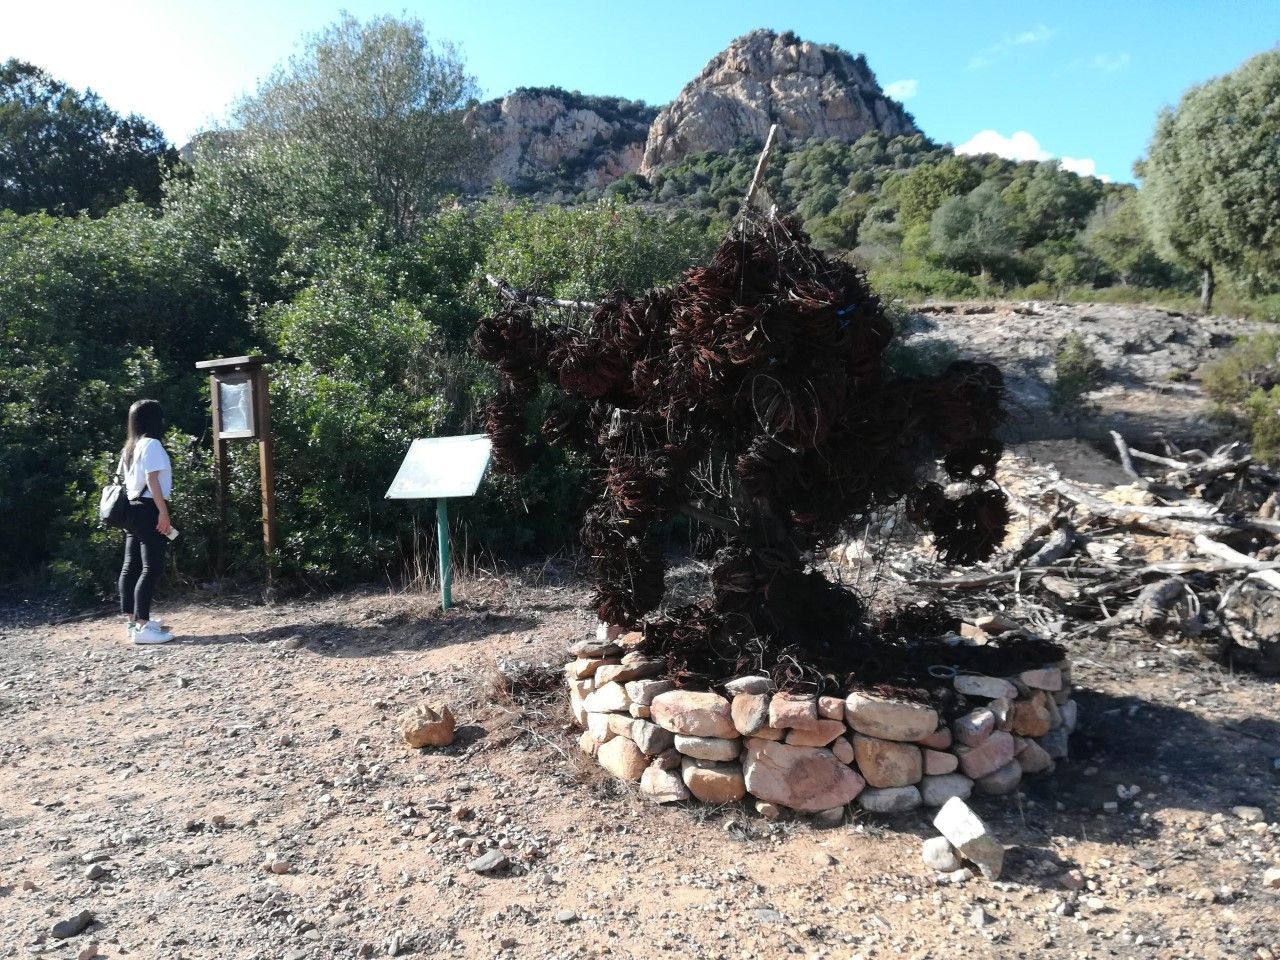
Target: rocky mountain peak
x=809, y=90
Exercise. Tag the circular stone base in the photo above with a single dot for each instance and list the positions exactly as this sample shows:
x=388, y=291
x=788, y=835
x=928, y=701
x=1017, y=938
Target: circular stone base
x=810, y=753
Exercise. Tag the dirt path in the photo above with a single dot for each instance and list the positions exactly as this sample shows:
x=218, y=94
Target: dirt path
x=269, y=734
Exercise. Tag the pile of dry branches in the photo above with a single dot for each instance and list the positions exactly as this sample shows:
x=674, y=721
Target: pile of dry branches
x=1190, y=550
x=752, y=397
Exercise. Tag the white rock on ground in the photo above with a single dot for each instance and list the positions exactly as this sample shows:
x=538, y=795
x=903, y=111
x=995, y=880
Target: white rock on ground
x=969, y=835
x=938, y=854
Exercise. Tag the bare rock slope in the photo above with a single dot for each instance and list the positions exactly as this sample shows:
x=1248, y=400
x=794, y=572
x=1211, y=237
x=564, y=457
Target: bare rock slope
x=809, y=90
x=546, y=138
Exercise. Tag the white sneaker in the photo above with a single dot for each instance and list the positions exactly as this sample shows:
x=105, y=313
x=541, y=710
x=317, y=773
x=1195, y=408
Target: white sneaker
x=151, y=634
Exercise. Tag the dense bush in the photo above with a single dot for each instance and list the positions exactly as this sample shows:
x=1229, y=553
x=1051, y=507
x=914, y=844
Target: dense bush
x=1077, y=370
x=369, y=344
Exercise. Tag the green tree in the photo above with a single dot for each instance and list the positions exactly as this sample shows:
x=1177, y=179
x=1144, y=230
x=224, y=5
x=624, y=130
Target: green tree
x=1117, y=235
x=976, y=232
x=1211, y=179
x=380, y=103
x=924, y=188
x=63, y=151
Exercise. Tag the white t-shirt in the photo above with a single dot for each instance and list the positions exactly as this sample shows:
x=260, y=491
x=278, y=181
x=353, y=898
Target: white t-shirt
x=148, y=457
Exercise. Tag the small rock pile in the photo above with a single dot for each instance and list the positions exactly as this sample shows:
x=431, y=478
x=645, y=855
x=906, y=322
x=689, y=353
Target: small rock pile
x=814, y=754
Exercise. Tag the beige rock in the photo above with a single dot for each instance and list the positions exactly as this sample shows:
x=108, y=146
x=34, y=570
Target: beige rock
x=974, y=727
x=642, y=692
x=971, y=837
x=708, y=748
x=588, y=744
x=636, y=710
x=769, y=733
x=751, y=684
x=1001, y=781
x=428, y=725
x=622, y=758
x=770, y=811
x=620, y=724
x=598, y=727
x=639, y=668
x=831, y=708
x=576, y=708
x=663, y=786
x=789, y=711
x=987, y=757
x=937, y=790
x=802, y=778
x=887, y=763
x=582, y=668
x=940, y=739
x=842, y=749
x=887, y=719
x=630, y=641
x=765, y=77
x=668, y=759
x=972, y=685
x=1033, y=758
x=713, y=782
x=974, y=634
x=1031, y=718
x=530, y=133
x=889, y=799
x=693, y=713
x=826, y=731
x=1046, y=678
x=750, y=712
x=938, y=762
x=651, y=738
x=938, y=854
x=607, y=698
x=582, y=687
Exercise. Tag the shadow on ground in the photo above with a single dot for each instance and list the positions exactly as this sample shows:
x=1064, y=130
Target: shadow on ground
x=337, y=639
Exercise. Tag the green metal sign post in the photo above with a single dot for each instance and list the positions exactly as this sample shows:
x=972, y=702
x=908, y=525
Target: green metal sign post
x=440, y=469
x=442, y=537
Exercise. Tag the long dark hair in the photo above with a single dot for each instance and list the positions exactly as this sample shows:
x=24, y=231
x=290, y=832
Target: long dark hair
x=146, y=419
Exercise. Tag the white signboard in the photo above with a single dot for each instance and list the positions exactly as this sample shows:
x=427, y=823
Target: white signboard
x=441, y=467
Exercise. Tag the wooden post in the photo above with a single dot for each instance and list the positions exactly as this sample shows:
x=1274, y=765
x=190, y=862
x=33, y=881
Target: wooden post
x=761, y=165
x=442, y=538
x=219, y=481
x=266, y=471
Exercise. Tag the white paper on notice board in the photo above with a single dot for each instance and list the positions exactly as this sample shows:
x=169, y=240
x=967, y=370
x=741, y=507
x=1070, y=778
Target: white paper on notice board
x=441, y=467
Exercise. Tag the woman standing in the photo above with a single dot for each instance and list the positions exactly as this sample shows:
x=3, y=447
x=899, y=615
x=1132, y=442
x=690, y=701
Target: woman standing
x=148, y=479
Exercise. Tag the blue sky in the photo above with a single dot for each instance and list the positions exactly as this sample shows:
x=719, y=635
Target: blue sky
x=1081, y=80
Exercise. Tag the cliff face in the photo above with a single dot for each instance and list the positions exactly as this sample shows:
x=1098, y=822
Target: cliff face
x=764, y=78
x=547, y=139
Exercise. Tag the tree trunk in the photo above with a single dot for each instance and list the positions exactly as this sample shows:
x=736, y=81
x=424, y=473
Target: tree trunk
x=1206, y=289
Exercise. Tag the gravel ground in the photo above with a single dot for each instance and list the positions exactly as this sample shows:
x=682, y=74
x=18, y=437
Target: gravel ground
x=157, y=788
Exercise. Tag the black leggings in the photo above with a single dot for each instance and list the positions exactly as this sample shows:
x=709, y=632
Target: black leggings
x=144, y=548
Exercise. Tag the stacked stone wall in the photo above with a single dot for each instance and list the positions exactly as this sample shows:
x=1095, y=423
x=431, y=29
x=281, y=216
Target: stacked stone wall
x=814, y=754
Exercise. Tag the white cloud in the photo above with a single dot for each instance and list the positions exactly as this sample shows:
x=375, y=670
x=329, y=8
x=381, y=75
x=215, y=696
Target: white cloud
x=989, y=55
x=1020, y=146
x=1023, y=146
x=902, y=89
x=1084, y=166
x=1110, y=62
x=1037, y=34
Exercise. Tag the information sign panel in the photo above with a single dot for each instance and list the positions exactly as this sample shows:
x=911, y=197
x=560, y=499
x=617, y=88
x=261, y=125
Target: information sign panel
x=441, y=467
